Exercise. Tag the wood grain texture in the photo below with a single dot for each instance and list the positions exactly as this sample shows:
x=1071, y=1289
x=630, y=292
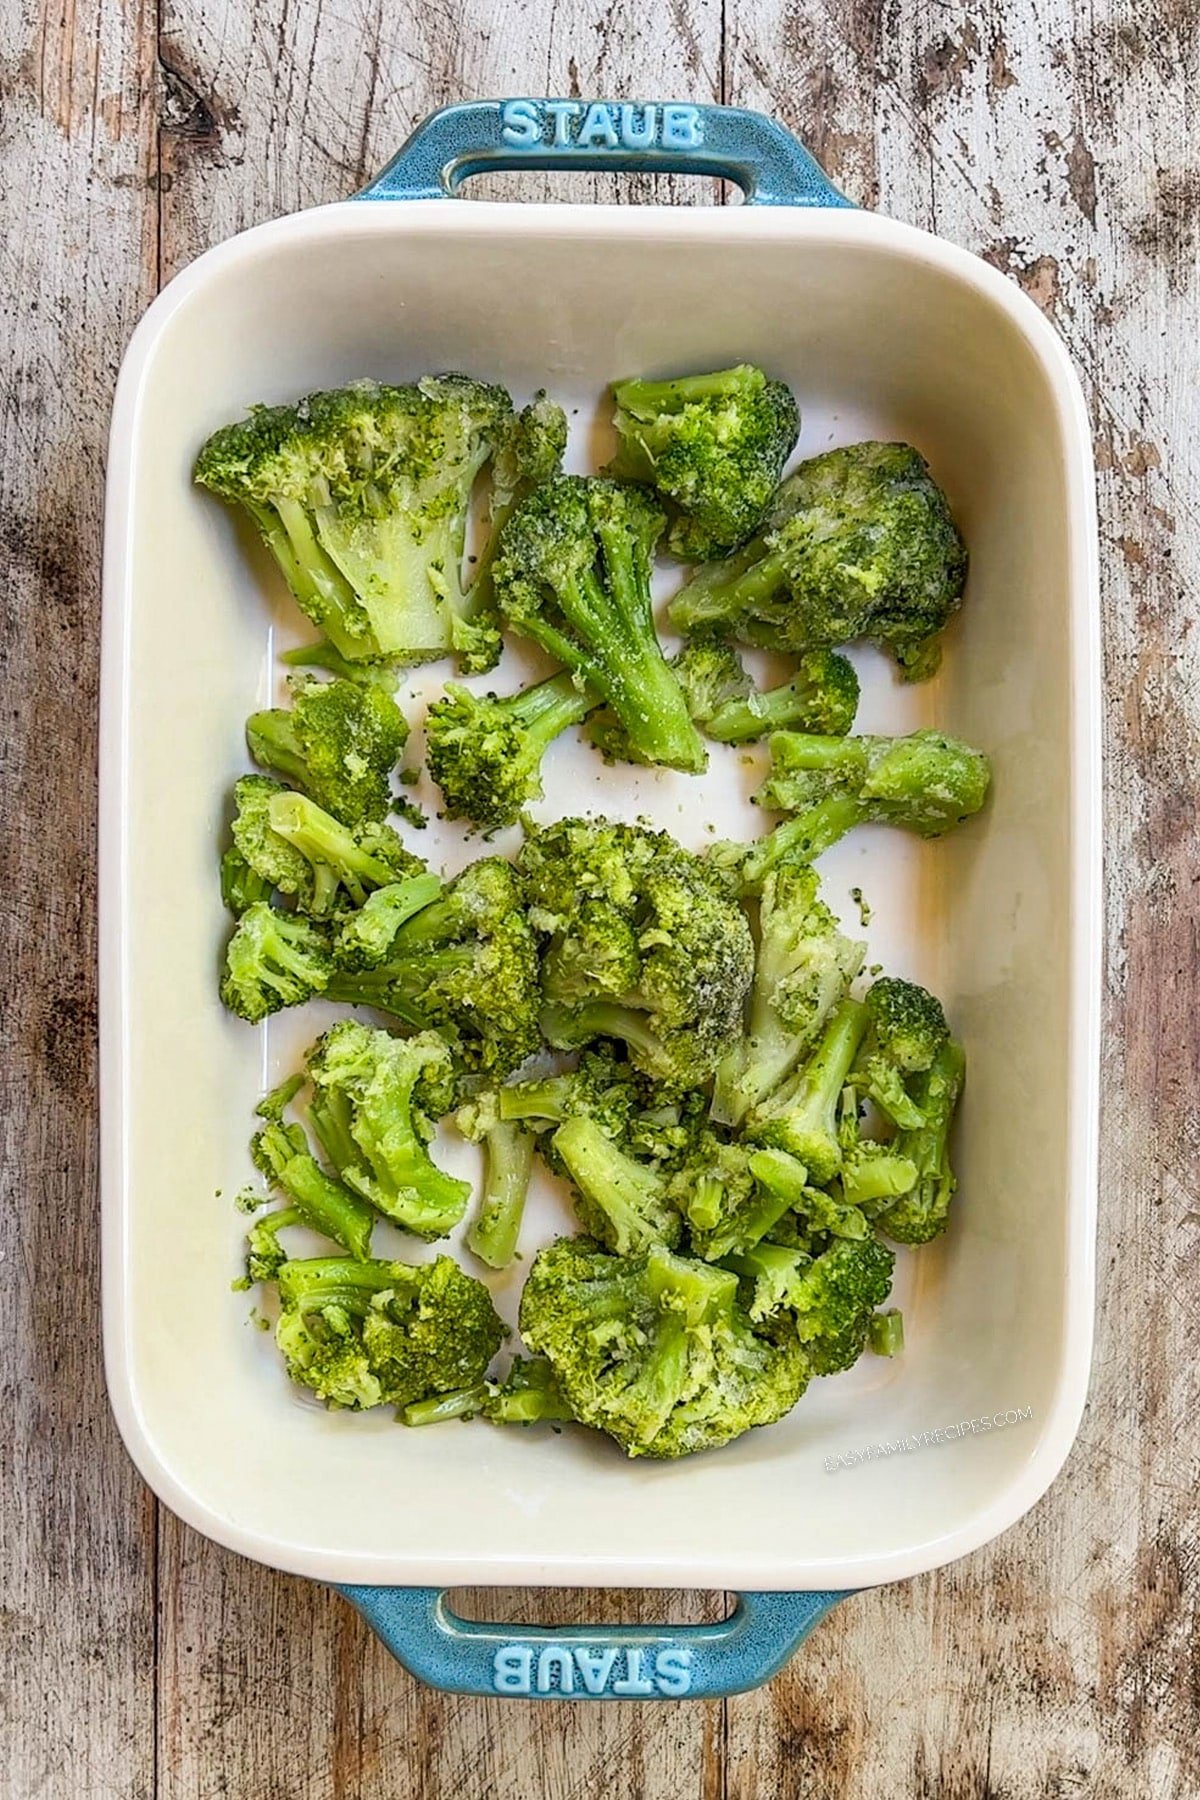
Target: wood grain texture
x=1057, y=139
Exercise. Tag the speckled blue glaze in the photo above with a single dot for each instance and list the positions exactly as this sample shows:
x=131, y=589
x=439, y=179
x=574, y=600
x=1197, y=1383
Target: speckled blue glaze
x=585, y=1662
x=666, y=136
x=590, y=1662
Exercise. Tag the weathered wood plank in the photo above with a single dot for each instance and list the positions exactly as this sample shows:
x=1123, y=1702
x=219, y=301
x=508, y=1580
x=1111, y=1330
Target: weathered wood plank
x=1057, y=142
x=270, y=1686
x=77, y=263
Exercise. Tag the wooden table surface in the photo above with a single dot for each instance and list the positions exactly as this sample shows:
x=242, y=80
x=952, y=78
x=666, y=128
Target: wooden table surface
x=1058, y=139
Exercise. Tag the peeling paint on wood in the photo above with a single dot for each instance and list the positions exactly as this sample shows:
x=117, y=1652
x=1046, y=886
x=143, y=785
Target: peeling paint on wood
x=1060, y=141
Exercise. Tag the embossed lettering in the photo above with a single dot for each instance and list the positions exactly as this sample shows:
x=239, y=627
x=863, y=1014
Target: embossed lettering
x=673, y=1671
x=520, y=123
x=633, y=1681
x=595, y=1667
x=510, y=1669
x=681, y=128
x=597, y=128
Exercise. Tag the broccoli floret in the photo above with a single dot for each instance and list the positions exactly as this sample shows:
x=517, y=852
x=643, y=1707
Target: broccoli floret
x=339, y=741
x=529, y=451
x=529, y=1392
x=726, y=1205
x=906, y=1028
x=486, y=753
x=572, y=572
x=645, y=946
x=507, y=1167
x=654, y=1349
x=713, y=446
x=620, y=1201
x=362, y=1334
x=859, y=543
x=240, y=885
x=361, y=495
x=801, y=1117
x=923, y=1212
x=466, y=965
x=273, y=960
x=306, y=853
x=926, y=783
x=370, y=1091
x=600, y=1087
x=822, y=696
x=365, y=936
x=831, y=1297
x=803, y=969
x=281, y=1153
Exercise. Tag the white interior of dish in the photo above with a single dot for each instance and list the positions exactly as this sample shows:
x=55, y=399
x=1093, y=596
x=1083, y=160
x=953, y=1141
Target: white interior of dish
x=881, y=333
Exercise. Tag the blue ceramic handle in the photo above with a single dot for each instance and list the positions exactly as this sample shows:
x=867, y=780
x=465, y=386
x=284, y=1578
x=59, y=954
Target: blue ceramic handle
x=666, y=136
x=590, y=1662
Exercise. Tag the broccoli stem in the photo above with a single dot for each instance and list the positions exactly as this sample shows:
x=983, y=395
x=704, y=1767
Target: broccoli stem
x=271, y=741
x=337, y=860
x=628, y=1194
x=885, y=1334
x=550, y=707
x=782, y=1181
x=868, y=1180
x=327, y=1206
x=321, y=589
x=508, y=1164
x=545, y=1099
x=399, y=985
x=320, y=1281
x=802, y=839
x=801, y=1117
x=569, y=1027
x=638, y=395
x=796, y=705
x=460, y=1403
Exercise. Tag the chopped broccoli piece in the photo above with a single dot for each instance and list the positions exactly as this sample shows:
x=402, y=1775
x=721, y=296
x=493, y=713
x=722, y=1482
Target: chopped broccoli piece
x=367, y=1109
x=713, y=446
x=600, y=1088
x=282, y=1154
x=467, y=966
x=645, y=945
x=727, y=1204
x=922, y=1213
x=528, y=1393
x=804, y=968
x=620, y=1201
x=801, y=1117
x=572, y=572
x=306, y=853
x=459, y=1403
x=241, y=886
x=361, y=1334
x=486, y=753
x=655, y=1349
x=906, y=1028
x=926, y=783
x=529, y=451
x=265, y=1255
x=364, y=937
x=339, y=741
x=822, y=696
x=859, y=543
x=886, y=1334
x=361, y=495
x=273, y=960
x=831, y=1297
x=508, y=1164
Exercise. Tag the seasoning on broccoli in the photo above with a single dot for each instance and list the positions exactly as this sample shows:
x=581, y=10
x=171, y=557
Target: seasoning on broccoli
x=926, y=783
x=339, y=741
x=712, y=446
x=858, y=543
x=644, y=945
x=362, y=495
x=803, y=969
x=572, y=572
x=273, y=960
x=922, y=1213
x=373, y=1095
x=655, y=1349
x=363, y=1334
x=485, y=753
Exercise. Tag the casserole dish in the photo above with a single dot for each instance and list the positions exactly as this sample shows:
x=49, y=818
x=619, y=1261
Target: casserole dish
x=882, y=331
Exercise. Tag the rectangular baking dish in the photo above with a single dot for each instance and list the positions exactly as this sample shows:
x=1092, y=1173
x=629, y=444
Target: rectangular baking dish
x=881, y=330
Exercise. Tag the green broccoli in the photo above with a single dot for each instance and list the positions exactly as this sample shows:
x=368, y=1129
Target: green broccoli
x=486, y=753
x=713, y=446
x=858, y=543
x=886, y=1334
x=365, y=936
x=339, y=741
x=906, y=1028
x=831, y=1298
x=601, y=1088
x=528, y=1393
x=466, y=965
x=926, y=783
x=273, y=960
x=620, y=1201
x=529, y=451
x=304, y=852
x=645, y=946
x=240, y=885
x=655, y=1349
x=801, y=1117
x=822, y=695
x=803, y=969
x=572, y=572
x=281, y=1153
x=507, y=1167
x=362, y=1334
x=732, y=1195
x=922, y=1213
x=361, y=495
x=368, y=1110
